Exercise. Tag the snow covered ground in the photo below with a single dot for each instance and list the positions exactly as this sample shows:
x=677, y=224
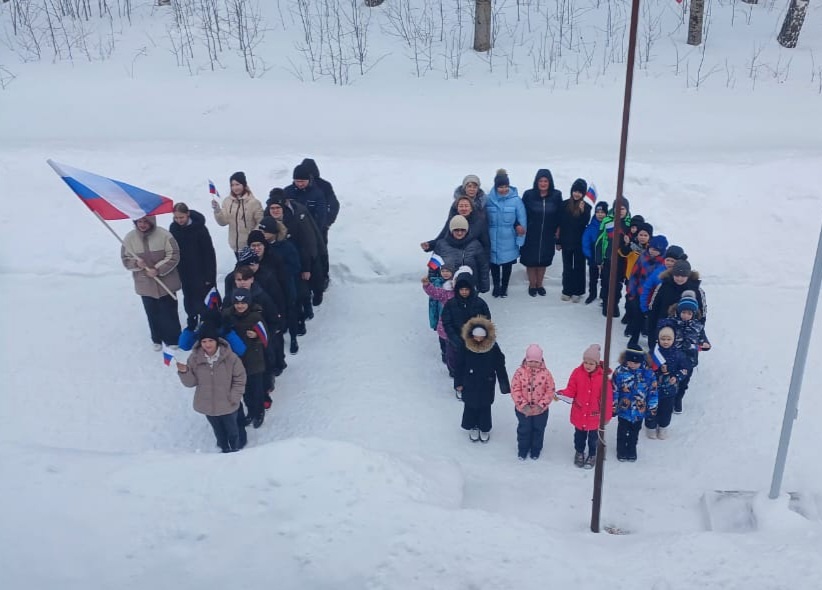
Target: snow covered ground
x=361, y=476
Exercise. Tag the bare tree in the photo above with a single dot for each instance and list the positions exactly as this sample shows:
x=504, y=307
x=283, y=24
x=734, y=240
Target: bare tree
x=794, y=19
x=373, y=3
x=482, y=26
x=695, y=22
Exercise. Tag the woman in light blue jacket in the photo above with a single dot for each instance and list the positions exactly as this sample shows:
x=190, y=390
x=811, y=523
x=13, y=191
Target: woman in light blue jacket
x=506, y=227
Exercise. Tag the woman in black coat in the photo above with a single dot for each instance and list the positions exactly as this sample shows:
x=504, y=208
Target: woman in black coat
x=198, y=262
x=480, y=366
x=574, y=216
x=542, y=206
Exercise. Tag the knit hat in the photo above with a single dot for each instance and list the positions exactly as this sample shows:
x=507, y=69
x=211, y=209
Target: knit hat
x=682, y=268
x=627, y=204
x=241, y=295
x=239, y=177
x=601, y=206
x=208, y=330
x=659, y=243
x=687, y=301
x=579, y=186
x=269, y=225
x=666, y=330
x=636, y=220
x=458, y=222
x=634, y=355
x=247, y=256
x=479, y=331
x=646, y=227
x=255, y=235
x=301, y=172
x=676, y=252
x=276, y=195
x=501, y=179
x=533, y=352
x=592, y=353
x=471, y=178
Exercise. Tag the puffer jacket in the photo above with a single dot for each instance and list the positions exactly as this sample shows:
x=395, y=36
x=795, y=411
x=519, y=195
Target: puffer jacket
x=675, y=361
x=635, y=392
x=198, y=262
x=532, y=387
x=219, y=388
x=460, y=309
x=584, y=389
x=477, y=228
x=466, y=252
x=589, y=239
x=505, y=212
x=159, y=250
x=241, y=214
x=480, y=366
x=644, y=267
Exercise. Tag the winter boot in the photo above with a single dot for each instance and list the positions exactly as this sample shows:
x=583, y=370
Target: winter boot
x=651, y=432
x=474, y=434
x=534, y=456
x=301, y=330
x=677, y=406
x=258, y=420
x=662, y=433
x=295, y=348
x=565, y=297
x=523, y=455
x=532, y=291
x=317, y=299
x=575, y=298
x=484, y=437
x=495, y=291
x=249, y=419
x=590, y=462
x=579, y=459
x=590, y=298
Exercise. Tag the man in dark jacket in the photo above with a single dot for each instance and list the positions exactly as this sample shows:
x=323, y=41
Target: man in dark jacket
x=198, y=262
x=309, y=194
x=333, y=210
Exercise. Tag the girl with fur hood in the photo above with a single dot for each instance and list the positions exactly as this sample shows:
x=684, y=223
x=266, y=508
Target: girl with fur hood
x=464, y=305
x=532, y=390
x=583, y=392
x=480, y=365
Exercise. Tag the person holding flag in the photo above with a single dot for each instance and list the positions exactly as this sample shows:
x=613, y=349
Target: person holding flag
x=198, y=262
x=574, y=216
x=240, y=211
x=670, y=366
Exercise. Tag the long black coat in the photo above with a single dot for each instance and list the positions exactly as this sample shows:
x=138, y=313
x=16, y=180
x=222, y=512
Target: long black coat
x=571, y=227
x=459, y=310
x=667, y=294
x=480, y=366
x=198, y=263
x=543, y=219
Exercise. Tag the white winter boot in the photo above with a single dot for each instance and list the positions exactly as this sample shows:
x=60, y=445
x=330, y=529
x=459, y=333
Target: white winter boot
x=651, y=432
x=662, y=433
x=474, y=434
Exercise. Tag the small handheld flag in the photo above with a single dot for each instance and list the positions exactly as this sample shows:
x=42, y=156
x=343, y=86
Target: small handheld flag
x=657, y=360
x=564, y=398
x=591, y=196
x=261, y=332
x=212, y=189
x=111, y=199
x=436, y=262
x=168, y=355
x=213, y=300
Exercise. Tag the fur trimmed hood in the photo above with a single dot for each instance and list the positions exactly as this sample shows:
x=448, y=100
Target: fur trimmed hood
x=694, y=276
x=490, y=339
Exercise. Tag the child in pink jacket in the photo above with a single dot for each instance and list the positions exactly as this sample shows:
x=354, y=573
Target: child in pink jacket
x=442, y=295
x=532, y=390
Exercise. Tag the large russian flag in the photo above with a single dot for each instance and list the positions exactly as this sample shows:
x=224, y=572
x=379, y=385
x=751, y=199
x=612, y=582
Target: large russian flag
x=109, y=198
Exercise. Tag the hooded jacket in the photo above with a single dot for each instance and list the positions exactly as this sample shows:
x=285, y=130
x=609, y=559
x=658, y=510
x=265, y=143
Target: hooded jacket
x=313, y=198
x=479, y=200
x=198, y=262
x=543, y=215
x=505, y=212
x=241, y=214
x=668, y=294
x=480, y=366
x=460, y=309
x=330, y=196
x=585, y=390
x=635, y=392
x=159, y=250
x=219, y=388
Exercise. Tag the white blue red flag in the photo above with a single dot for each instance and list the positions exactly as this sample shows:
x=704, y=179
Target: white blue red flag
x=168, y=355
x=609, y=229
x=436, y=262
x=109, y=198
x=591, y=196
x=212, y=300
x=657, y=360
x=212, y=189
x=259, y=328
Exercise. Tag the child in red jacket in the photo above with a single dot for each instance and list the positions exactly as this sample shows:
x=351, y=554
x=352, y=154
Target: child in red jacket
x=583, y=393
x=532, y=390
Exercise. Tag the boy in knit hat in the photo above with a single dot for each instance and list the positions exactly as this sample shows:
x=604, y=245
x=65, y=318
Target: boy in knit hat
x=584, y=393
x=589, y=239
x=532, y=389
x=635, y=397
x=670, y=368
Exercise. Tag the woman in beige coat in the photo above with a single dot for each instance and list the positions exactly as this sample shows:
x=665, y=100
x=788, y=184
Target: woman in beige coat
x=219, y=378
x=240, y=211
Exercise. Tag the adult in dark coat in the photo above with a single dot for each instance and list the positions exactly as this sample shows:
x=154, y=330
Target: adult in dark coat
x=278, y=244
x=672, y=284
x=477, y=225
x=465, y=305
x=477, y=371
x=325, y=186
x=306, y=192
x=459, y=248
x=198, y=262
x=574, y=216
x=542, y=206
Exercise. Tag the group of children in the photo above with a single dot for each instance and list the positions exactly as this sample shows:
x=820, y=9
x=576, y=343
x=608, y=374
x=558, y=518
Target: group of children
x=645, y=388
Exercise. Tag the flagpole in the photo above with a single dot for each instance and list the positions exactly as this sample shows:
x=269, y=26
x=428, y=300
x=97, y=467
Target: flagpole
x=792, y=403
x=616, y=241
x=130, y=253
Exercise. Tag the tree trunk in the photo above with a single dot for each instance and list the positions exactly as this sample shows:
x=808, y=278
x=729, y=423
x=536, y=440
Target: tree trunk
x=751, y=1
x=792, y=25
x=695, y=22
x=373, y=3
x=482, y=26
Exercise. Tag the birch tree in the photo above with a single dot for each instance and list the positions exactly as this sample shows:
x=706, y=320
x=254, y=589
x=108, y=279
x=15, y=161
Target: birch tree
x=792, y=24
x=482, y=25
x=695, y=22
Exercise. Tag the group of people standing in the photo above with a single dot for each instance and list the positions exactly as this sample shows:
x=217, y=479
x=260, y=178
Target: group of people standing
x=486, y=234
x=237, y=340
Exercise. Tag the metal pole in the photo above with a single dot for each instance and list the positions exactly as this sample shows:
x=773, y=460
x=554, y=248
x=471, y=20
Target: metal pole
x=616, y=241
x=798, y=373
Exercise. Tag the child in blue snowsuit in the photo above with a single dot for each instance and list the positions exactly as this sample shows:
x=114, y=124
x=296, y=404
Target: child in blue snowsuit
x=673, y=369
x=589, y=240
x=635, y=396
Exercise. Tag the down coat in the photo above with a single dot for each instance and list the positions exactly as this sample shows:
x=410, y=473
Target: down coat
x=241, y=214
x=480, y=366
x=543, y=215
x=219, y=388
x=460, y=309
x=465, y=252
x=198, y=262
x=158, y=249
x=504, y=213
x=584, y=389
x=531, y=386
